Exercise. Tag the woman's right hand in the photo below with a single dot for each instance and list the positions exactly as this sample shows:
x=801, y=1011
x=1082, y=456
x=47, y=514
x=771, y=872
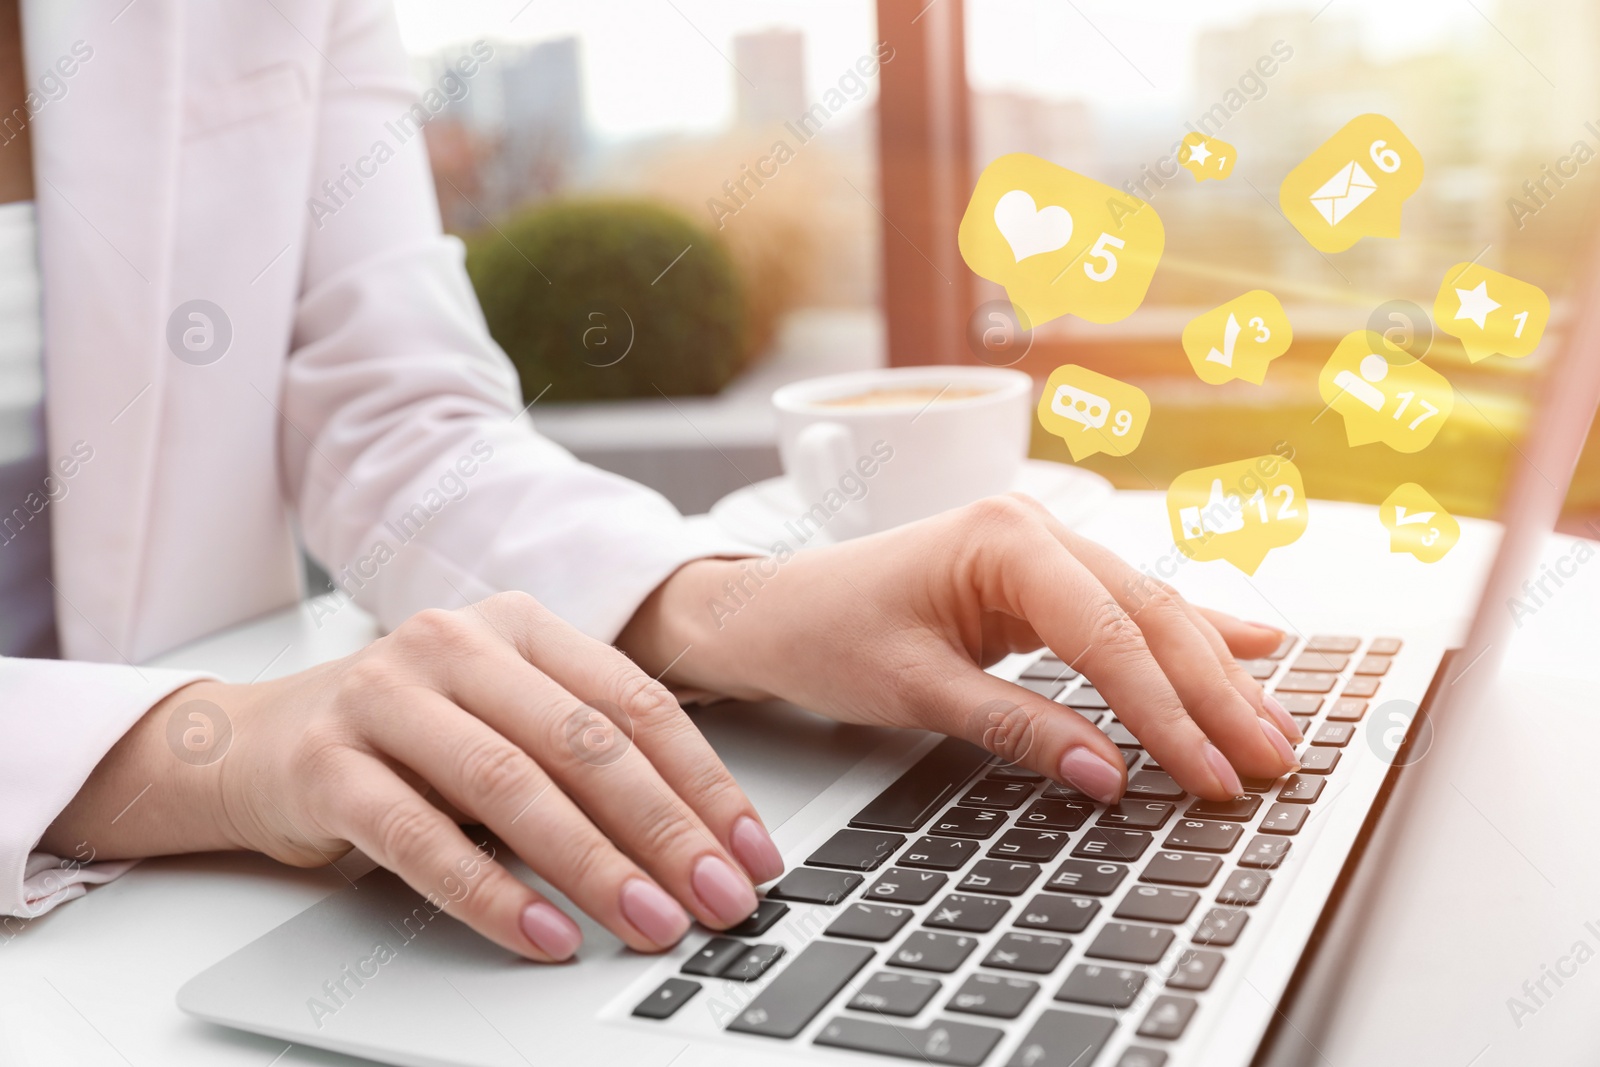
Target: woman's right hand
x=510, y=717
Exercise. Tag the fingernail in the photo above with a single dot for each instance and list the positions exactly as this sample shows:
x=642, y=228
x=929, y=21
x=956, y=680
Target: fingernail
x=555, y=934
x=1273, y=630
x=1285, y=721
x=653, y=913
x=1285, y=753
x=754, y=849
x=1091, y=775
x=1227, y=777
x=724, y=890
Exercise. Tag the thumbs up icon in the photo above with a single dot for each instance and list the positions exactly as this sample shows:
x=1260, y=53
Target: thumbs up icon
x=1224, y=513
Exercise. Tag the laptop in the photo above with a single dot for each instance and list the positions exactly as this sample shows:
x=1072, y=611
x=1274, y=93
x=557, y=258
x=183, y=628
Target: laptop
x=942, y=906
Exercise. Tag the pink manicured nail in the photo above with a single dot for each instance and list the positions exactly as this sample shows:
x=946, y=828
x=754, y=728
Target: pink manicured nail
x=552, y=931
x=724, y=890
x=1286, y=724
x=653, y=913
x=1227, y=777
x=753, y=847
x=1285, y=753
x=1091, y=775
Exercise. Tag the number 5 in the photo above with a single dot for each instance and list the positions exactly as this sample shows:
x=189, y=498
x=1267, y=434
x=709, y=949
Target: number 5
x=1100, y=251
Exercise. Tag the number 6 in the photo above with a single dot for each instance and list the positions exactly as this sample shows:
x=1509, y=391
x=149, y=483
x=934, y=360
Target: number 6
x=1387, y=159
x=1100, y=251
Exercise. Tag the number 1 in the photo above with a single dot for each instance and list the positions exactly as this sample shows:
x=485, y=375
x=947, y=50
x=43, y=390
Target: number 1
x=1522, y=320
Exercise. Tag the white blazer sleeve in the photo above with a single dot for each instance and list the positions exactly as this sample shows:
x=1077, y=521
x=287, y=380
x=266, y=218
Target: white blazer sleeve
x=417, y=479
x=58, y=720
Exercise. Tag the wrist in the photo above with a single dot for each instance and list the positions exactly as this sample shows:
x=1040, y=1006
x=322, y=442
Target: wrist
x=685, y=632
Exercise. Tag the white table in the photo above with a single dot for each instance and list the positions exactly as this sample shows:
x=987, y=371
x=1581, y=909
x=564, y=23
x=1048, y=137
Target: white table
x=1445, y=922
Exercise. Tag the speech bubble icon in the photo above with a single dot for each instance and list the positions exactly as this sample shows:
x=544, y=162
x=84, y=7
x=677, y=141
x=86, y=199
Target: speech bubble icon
x=1238, y=339
x=1093, y=413
x=1353, y=185
x=1491, y=312
x=1237, y=511
x=1058, y=242
x=1417, y=524
x=1206, y=157
x=1384, y=394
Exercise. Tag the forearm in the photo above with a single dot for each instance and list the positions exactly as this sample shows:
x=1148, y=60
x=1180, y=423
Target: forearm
x=144, y=798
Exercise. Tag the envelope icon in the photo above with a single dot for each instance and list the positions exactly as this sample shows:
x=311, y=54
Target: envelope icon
x=1343, y=193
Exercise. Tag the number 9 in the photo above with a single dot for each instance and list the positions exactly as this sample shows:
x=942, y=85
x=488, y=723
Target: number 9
x=1387, y=159
x=1122, y=423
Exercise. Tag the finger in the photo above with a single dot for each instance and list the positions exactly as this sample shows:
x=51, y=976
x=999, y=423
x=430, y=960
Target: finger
x=1253, y=690
x=600, y=675
x=1247, y=640
x=390, y=822
x=484, y=773
x=1027, y=571
x=1228, y=713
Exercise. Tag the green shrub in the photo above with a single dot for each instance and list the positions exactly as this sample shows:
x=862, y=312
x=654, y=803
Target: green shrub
x=567, y=286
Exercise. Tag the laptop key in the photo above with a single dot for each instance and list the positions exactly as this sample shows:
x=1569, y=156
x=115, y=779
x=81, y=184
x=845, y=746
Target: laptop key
x=1321, y=661
x=1300, y=703
x=992, y=995
x=1204, y=836
x=1010, y=772
x=1063, y=1039
x=1315, y=760
x=1168, y=1017
x=1243, y=887
x=1086, y=697
x=1257, y=785
x=810, y=885
x=714, y=957
x=1301, y=789
x=1264, y=853
x=1221, y=926
x=1239, y=809
x=939, y=853
x=767, y=913
x=888, y=993
x=1050, y=668
x=869, y=922
x=1046, y=687
x=1105, y=842
x=1347, y=709
x=1081, y=876
x=976, y=823
x=960, y=911
x=1259, y=669
x=940, y=1042
x=927, y=951
x=1374, y=665
x=802, y=989
x=989, y=793
x=1334, y=734
x=1121, y=736
x=1285, y=647
x=998, y=876
x=1130, y=943
x=1153, y=785
x=1032, y=953
x=1181, y=868
x=1066, y=815
x=1361, y=686
x=1284, y=819
x=856, y=850
x=1307, y=682
x=1325, y=643
x=1038, y=846
x=914, y=797
x=1156, y=904
x=1134, y=1056
x=1196, y=969
x=1062, y=915
x=666, y=999
x=1384, y=646
x=756, y=961
x=1136, y=814
x=1107, y=987
x=898, y=885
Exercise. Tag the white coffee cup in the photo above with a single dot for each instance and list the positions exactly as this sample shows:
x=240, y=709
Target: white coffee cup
x=874, y=465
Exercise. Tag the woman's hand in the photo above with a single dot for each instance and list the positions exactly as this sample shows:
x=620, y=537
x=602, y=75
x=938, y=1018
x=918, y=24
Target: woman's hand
x=506, y=714
x=896, y=628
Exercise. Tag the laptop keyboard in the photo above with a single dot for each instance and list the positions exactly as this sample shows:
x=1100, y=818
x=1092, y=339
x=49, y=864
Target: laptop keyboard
x=970, y=891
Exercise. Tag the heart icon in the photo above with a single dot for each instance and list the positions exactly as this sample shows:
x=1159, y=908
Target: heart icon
x=1028, y=229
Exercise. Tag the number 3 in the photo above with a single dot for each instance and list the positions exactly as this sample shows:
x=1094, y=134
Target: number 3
x=1100, y=251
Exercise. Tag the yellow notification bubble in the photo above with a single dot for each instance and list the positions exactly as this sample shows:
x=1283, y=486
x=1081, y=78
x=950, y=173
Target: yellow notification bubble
x=1238, y=339
x=1060, y=243
x=1384, y=394
x=1206, y=157
x=1417, y=524
x=1093, y=413
x=1237, y=511
x=1491, y=312
x=1352, y=187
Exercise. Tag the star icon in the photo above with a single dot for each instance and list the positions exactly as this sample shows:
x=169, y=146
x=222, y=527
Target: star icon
x=1475, y=304
x=1199, y=153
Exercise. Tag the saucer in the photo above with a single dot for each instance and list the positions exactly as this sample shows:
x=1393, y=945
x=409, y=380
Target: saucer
x=757, y=514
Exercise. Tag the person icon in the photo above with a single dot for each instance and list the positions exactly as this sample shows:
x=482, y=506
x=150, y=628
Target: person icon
x=1374, y=368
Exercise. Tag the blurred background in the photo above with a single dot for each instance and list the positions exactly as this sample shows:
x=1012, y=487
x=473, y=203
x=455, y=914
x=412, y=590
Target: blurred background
x=673, y=207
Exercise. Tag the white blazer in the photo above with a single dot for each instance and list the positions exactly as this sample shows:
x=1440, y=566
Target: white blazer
x=360, y=401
